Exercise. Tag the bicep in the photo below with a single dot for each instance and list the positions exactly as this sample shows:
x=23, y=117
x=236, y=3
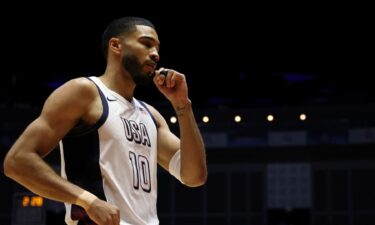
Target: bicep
x=39, y=137
x=60, y=113
x=44, y=133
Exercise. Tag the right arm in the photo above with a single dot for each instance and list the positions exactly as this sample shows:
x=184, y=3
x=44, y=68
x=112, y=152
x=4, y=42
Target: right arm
x=24, y=162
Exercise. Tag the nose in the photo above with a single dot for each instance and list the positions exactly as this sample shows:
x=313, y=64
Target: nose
x=155, y=55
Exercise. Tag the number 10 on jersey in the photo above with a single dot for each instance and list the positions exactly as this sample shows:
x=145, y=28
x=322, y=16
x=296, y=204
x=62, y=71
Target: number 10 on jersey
x=141, y=172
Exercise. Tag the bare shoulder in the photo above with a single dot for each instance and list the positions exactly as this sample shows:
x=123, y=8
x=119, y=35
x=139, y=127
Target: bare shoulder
x=82, y=86
x=75, y=96
x=78, y=88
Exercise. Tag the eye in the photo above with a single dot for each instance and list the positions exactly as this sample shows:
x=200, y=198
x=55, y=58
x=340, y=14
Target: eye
x=147, y=44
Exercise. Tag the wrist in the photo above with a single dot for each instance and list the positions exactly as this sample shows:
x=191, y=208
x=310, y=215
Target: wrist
x=181, y=107
x=85, y=200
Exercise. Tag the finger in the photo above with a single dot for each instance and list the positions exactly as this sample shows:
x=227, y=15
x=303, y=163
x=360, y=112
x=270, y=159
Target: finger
x=114, y=220
x=160, y=69
x=170, y=76
x=173, y=80
x=117, y=217
x=114, y=215
x=110, y=220
x=160, y=80
x=160, y=76
x=164, y=72
x=164, y=75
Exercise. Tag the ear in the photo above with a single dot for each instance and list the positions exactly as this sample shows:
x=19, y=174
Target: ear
x=115, y=45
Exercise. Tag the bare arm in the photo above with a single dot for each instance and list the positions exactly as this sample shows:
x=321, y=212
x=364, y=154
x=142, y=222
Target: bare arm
x=24, y=162
x=193, y=158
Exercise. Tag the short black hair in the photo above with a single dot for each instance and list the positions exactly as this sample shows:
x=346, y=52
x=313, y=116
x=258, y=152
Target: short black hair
x=121, y=26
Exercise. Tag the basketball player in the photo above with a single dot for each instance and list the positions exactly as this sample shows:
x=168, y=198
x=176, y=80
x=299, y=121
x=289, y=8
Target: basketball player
x=111, y=142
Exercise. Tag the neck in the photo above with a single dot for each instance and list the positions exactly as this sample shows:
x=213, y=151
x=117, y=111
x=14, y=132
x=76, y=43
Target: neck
x=119, y=81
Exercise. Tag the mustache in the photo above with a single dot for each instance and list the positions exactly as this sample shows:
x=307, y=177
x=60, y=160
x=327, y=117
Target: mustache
x=151, y=63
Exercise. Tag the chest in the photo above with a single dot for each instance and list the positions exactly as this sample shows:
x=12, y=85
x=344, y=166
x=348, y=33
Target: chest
x=129, y=125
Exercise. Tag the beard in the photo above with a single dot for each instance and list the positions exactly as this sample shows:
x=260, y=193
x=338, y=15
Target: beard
x=134, y=67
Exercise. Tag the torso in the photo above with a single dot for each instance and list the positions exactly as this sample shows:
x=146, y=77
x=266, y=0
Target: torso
x=119, y=158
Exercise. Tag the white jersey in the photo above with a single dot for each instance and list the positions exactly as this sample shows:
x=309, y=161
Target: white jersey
x=115, y=159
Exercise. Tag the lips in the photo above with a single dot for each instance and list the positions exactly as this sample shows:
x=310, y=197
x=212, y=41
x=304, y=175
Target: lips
x=151, y=65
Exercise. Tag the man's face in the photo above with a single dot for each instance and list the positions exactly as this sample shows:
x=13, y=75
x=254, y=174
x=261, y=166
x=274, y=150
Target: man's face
x=141, y=55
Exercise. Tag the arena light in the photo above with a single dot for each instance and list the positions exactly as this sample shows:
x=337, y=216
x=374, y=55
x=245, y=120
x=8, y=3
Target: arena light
x=205, y=119
x=173, y=119
x=270, y=118
x=237, y=118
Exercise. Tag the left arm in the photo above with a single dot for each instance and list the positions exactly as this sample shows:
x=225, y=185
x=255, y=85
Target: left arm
x=193, y=170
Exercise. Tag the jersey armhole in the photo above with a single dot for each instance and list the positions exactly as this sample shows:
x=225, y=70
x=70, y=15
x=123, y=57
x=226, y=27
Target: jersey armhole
x=81, y=128
x=149, y=112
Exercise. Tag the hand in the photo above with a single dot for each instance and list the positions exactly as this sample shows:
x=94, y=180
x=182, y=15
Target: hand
x=173, y=86
x=104, y=213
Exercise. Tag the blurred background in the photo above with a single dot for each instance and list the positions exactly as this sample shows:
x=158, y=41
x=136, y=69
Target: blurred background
x=284, y=100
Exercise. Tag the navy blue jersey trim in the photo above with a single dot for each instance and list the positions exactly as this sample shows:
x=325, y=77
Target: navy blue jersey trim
x=104, y=116
x=81, y=128
x=152, y=116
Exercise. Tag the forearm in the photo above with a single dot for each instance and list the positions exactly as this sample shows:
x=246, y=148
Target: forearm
x=193, y=156
x=31, y=171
